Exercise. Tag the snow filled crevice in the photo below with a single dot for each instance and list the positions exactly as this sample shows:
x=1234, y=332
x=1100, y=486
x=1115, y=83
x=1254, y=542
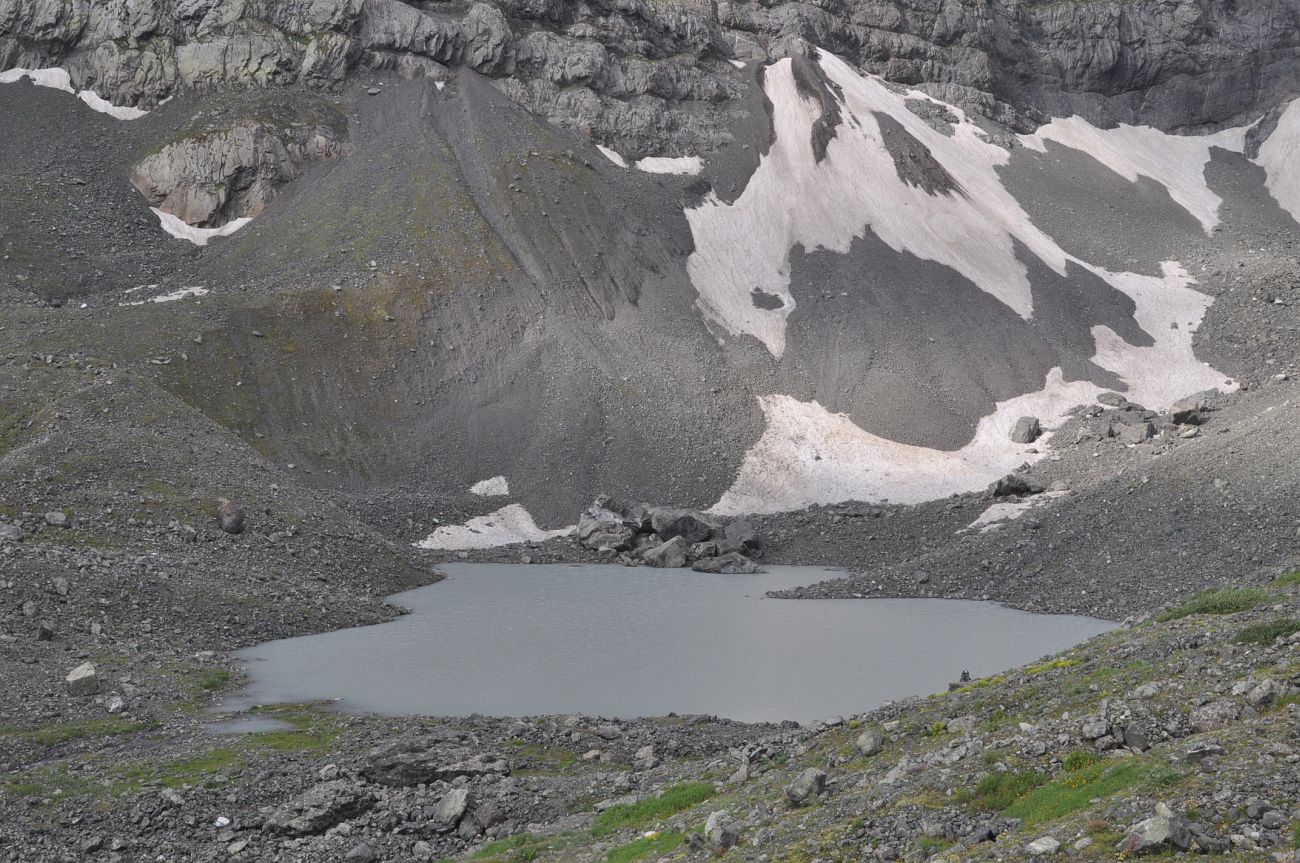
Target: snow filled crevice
x=508, y=525
x=59, y=79
x=1176, y=162
x=198, y=236
x=1279, y=156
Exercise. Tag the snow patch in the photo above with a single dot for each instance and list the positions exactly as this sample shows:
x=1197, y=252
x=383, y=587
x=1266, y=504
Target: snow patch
x=103, y=106
x=507, y=526
x=1280, y=158
x=972, y=224
x=809, y=455
x=612, y=155
x=494, y=487
x=739, y=64
x=1169, y=310
x=172, y=297
x=999, y=513
x=689, y=165
x=794, y=199
x=198, y=236
x=1176, y=162
x=59, y=79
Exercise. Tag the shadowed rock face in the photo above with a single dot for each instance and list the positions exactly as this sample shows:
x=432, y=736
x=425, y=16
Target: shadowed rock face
x=637, y=74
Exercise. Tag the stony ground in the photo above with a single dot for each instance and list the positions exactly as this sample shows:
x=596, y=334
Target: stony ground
x=1172, y=734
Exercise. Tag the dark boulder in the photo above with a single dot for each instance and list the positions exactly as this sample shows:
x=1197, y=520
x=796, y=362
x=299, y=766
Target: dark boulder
x=731, y=563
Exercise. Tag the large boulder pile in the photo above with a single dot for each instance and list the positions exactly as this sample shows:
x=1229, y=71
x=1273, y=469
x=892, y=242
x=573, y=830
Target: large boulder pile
x=640, y=534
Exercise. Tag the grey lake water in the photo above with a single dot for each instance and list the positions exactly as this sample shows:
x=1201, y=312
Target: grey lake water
x=605, y=640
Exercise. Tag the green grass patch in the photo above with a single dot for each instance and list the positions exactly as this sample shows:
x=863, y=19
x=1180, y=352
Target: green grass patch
x=520, y=848
x=997, y=791
x=1226, y=600
x=1051, y=665
x=53, y=735
x=1290, y=579
x=1269, y=631
x=674, y=799
x=1075, y=789
x=663, y=843
x=1079, y=759
x=215, y=679
x=202, y=770
x=313, y=731
x=551, y=759
x=931, y=845
x=983, y=682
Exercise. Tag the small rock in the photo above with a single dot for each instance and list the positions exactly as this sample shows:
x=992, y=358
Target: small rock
x=11, y=533
x=361, y=853
x=721, y=830
x=56, y=519
x=806, y=787
x=115, y=704
x=1156, y=835
x=1026, y=430
x=1202, y=750
x=230, y=516
x=1185, y=413
x=669, y=555
x=451, y=807
x=870, y=742
x=1214, y=715
x=731, y=563
x=82, y=680
x=1045, y=845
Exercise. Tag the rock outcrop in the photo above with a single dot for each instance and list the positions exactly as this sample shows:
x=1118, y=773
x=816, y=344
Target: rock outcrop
x=232, y=166
x=635, y=73
x=668, y=538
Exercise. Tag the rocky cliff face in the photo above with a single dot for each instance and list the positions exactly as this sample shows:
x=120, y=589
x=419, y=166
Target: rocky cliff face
x=653, y=77
x=230, y=166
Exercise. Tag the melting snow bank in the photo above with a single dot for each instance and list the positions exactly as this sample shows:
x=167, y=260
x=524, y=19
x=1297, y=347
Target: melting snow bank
x=508, y=525
x=953, y=209
x=1280, y=158
x=172, y=297
x=494, y=487
x=689, y=165
x=809, y=455
x=612, y=155
x=1176, y=162
x=198, y=236
x=999, y=513
x=59, y=79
